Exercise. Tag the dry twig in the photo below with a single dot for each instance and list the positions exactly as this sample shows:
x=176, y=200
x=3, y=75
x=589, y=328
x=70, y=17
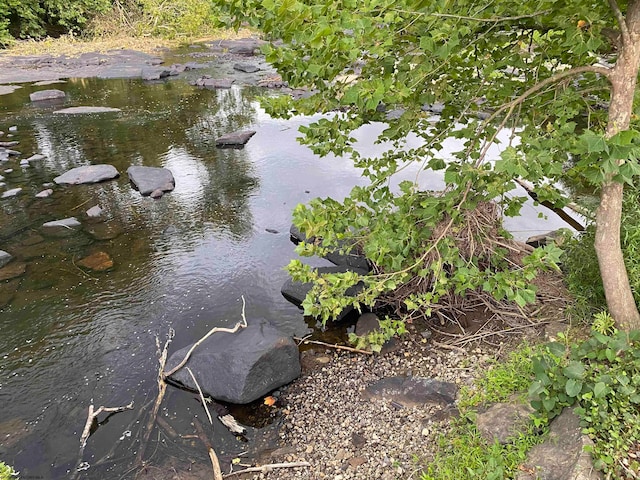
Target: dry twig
x=337, y=347
x=268, y=468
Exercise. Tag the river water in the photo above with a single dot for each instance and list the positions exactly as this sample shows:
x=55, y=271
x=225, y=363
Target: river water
x=70, y=338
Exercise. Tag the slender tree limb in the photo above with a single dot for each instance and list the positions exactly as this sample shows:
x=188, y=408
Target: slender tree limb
x=238, y=326
x=268, y=468
x=215, y=463
x=92, y=416
x=624, y=30
x=204, y=402
x=337, y=347
x=490, y=20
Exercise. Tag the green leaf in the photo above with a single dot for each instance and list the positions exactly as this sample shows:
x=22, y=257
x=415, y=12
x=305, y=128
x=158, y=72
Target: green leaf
x=599, y=390
x=573, y=387
x=575, y=370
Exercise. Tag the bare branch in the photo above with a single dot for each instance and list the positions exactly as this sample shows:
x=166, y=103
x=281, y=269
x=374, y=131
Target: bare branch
x=626, y=38
x=268, y=468
x=215, y=463
x=337, y=347
x=490, y=20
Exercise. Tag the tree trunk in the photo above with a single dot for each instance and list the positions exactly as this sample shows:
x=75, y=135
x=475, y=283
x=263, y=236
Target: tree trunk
x=620, y=301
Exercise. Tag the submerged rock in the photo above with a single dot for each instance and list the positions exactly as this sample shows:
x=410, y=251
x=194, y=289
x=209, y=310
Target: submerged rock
x=88, y=174
x=12, y=270
x=61, y=228
x=98, y=262
x=85, y=110
x=235, y=139
x=94, y=212
x=35, y=158
x=44, y=193
x=149, y=179
x=5, y=258
x=11, y=193
x=246, y=67
x=42, y=95
x=240, y=367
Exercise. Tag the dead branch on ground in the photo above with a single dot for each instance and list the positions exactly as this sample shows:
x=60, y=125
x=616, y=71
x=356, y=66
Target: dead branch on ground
x=268, y=468
x=330, y=345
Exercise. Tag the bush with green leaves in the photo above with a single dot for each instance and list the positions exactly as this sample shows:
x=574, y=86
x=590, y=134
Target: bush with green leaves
x=34, y=19
x=601, y=376
x=7, y=472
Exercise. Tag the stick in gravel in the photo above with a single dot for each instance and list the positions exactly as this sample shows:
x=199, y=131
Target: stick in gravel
x=337, y=347
x=215, y=464
x=268, y=468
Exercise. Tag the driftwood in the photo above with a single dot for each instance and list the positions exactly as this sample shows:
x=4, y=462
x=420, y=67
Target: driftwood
x=268, y=468
x=330, y=345
x=215, y=463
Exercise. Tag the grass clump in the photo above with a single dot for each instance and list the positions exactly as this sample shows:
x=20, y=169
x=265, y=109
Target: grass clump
x=462, y=452
x=7, y=472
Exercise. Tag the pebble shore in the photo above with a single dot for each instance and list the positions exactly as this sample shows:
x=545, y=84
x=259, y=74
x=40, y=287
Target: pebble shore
x=328, y=422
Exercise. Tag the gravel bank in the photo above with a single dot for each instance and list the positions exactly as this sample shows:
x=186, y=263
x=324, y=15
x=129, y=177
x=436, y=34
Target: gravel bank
x=328, y=421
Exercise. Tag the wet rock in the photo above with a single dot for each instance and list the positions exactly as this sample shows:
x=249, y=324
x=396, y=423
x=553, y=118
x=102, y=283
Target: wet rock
x=241, y=46
x=209, y=82
x=120, y=71
x=295, y=292
x=176, y=69
x=13, y=128
x=24, y=163
x=5, y=258
x=196, y=65
x=43, y=95
x=149, y=179
x=11, y=153
x=11, y=193
x=94, y=212
x=98, y=262
x=561, y=456
x=88, y=174
x=246, y=67
x=156, y=194
x=155, y=73
x=235, y=139
x=367, y=323
x=241, y=367
x=44, y=193
x=48, y=82
x=7, y=89
x=412, y=391
x=555, y=236
x=296, y=235
x=105, y=231
x=36, y=158
x=12, y=270
x=502, y=421
x=86, y=110
x=61, y=228
x=9, y=144
x=33, y=239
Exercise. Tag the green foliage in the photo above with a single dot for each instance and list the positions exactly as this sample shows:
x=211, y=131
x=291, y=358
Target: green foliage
x=374, y=340
x=7, y=472
x=527, y=67
x=580, y=263
x=462, y=451
x=601, y=376
x=175, y=18
x=32, y=19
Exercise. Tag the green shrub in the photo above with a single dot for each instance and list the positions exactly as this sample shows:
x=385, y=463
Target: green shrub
x=600, y=375
x=7, y=472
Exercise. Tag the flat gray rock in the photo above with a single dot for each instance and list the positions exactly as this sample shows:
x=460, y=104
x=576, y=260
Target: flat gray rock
x=94, y=212
x=155, y=73
x=240, y=367
x=61, y=228
x=11, y=193
x=85, y=110
x=121, y=71
x=35, y=158
x=5, y=258
x=48, y=82
x=246, y=67
x=9, y=144
x=503, y=421
x=561, y=456
x=412, y=391
x=235, y=139
x=43, y=95
x=87, y=174
x=7, y=89
x=44, y=193
x=149, y=179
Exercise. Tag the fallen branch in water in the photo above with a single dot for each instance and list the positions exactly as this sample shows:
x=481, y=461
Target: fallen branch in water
x=268, y=468
x=215, y=463
x=238, y=326
x=337, y=347
x=204, y=402
x=92, y=416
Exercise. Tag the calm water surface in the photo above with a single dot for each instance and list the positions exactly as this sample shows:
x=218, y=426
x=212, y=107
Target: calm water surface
x=70, y=338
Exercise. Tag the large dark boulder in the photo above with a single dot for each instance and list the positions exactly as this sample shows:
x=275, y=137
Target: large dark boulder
x=87, y=174
x=150, y=179
x=240, y=367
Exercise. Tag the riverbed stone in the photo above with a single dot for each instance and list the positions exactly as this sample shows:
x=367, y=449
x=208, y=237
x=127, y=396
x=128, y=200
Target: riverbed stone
x=246, y=67
x=88, y=174
x=5, y=257
x=412, y=391
x=105, y=231
x=12, y=270
x=12, y=192
x=208, y=82
x=94, y=212
x=561, y=456
x=240, y=367
x=61, y=228
x=502, y=422
x=98, y=262
x=149, y=179
x=235, y=139
x=85, y=110
x=44, y=193
x=7, y=89
x=36, y=158
x=43, y=95
x=155, y=73
x=12, y=143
